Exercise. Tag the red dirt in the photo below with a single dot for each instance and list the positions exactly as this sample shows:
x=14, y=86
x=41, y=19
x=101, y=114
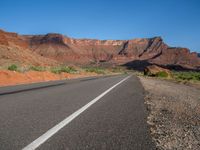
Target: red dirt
x=13, y=78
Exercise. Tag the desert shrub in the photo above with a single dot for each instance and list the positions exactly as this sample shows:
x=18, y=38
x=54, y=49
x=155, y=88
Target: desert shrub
x=61, y=69
x=148, y=74
x=55, y=70
x=120, y=70
x=37, y=68
x=161, y=74
x=95, y=70
x=187, y=75
x=12, y=67
x=117, y=69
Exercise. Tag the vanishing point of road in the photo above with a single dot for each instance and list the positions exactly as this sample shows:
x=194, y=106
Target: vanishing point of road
x=101, y=113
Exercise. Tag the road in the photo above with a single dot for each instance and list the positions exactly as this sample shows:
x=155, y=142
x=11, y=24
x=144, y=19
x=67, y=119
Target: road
x=91, y=113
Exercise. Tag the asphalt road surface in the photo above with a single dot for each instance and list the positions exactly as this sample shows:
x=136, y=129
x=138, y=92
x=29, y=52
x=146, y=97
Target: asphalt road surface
x=102, y=113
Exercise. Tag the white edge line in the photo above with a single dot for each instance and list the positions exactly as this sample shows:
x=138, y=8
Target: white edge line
x=36, y=143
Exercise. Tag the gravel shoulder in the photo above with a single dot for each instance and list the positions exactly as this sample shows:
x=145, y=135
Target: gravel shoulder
x=174, y=114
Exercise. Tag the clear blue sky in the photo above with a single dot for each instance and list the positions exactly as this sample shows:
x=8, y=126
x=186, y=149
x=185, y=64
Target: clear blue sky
x=177, y=21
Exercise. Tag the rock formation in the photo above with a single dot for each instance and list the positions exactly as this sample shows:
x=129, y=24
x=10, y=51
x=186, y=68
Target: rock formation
x=62, y=49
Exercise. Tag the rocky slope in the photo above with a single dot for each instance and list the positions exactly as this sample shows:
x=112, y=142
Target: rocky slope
x=13, y=49
x=133, y=53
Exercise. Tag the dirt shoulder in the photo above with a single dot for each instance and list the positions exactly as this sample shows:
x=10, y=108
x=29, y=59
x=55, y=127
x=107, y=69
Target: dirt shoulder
x=174, y=114
x=13, y=77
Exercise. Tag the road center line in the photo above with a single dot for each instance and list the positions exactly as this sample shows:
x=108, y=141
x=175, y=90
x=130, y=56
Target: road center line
x=36, y=143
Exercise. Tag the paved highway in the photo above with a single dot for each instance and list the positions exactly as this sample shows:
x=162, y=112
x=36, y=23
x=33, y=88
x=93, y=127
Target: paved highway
x=103, y=113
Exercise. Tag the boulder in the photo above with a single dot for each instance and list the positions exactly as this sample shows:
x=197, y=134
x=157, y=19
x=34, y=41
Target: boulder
x=157, y=71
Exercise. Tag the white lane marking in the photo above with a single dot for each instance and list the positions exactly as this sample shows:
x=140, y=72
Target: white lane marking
x=36, y=143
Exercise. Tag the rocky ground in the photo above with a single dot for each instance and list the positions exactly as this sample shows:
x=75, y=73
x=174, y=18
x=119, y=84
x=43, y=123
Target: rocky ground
x=174, y=114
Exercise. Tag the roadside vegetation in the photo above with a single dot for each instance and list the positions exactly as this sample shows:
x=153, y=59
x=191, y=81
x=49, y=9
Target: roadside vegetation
x=160, y=74
x=181, y=76
x=68, y=69
x=106, y=70
x=119, y=70
x=186, y=76
x=12, y=67
x=22, y=69
x=37, y=68
x=97, y=70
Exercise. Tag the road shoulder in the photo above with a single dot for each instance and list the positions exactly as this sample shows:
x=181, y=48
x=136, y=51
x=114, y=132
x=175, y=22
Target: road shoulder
x=174, y=111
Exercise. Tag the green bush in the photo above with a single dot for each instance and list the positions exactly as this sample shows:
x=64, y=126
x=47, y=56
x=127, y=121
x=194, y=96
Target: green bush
x=161, y=74
x=61, y=69
x=12, y=67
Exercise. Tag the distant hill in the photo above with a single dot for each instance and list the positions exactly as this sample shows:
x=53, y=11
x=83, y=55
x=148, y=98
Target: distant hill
x=54, y=48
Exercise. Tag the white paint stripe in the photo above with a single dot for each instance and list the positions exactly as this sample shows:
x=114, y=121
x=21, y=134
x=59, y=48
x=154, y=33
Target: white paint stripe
x=35, y=144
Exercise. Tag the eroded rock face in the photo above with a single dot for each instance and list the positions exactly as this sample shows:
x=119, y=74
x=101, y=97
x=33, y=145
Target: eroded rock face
x=15, y=49
x=8, y=38
x=85, y=51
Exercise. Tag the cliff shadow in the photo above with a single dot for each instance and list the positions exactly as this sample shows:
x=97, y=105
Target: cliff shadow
x=179, y=68
x=140, y=65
